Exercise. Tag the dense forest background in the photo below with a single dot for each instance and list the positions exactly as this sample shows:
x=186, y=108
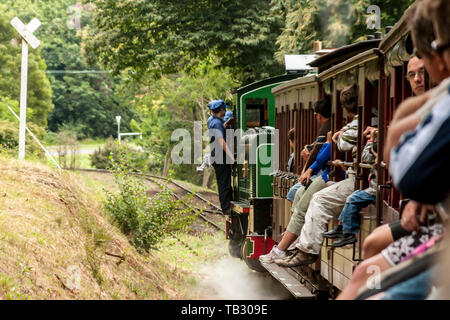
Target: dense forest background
x=157, y=63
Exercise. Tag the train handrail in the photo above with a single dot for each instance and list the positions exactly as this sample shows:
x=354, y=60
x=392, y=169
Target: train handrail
x=341, y=163
x=351, y=164
x=366, y=165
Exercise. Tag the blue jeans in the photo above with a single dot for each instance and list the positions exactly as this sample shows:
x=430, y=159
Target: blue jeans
x=293, y=190
x=350, y=214
x=416, y=288
x=291, y=194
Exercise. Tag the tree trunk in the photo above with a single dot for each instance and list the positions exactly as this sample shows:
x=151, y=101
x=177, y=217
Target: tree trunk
x=167, y=162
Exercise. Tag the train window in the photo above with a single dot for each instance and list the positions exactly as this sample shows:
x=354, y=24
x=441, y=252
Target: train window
x=256, y=112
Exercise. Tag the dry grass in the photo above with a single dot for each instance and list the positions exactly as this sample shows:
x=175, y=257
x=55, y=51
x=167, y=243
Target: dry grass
x=52, y=229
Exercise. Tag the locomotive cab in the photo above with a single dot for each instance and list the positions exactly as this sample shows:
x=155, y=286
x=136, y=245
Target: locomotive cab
x=251, y=213
x=249, y=225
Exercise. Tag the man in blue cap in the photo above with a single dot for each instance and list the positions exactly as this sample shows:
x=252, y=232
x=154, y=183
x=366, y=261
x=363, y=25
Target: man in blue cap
x=221, y=155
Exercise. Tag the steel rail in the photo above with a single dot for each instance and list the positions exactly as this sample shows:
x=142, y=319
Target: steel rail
x=150, y=177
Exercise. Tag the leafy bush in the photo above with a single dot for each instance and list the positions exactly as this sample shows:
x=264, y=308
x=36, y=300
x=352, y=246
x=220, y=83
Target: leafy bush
x=101, y=158
x=51, y=138
x=146, y=220
x=68, y=148
x=9, y=137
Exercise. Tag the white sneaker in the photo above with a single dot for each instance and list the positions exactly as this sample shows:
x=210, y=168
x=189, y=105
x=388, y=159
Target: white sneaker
x=272, y=255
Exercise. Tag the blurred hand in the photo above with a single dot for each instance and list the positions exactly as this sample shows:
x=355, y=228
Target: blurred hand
x=370, y=133
x=336, y=136
x=409, y=221
x=424, y=211
x=336, y=163
x=329, y=136
x=305, y=153
x=306, y=175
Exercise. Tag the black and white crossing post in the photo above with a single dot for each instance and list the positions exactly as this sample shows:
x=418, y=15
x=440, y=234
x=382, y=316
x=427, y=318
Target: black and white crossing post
x=26, y=32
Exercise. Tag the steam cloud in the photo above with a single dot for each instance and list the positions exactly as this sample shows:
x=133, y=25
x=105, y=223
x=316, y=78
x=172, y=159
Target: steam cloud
x=231, y=279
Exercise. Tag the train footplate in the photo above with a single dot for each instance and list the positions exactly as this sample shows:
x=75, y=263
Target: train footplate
x=240, y=207
x=288, y=280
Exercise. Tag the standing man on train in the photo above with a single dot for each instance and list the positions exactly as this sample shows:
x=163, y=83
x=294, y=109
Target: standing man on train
x=221, y=155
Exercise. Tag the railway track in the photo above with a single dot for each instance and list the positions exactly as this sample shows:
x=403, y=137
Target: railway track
x=179, y=191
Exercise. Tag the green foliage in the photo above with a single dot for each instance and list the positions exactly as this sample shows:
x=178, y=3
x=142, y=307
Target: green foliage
x=9, y=138
x=175, y=102
x=101, y=158
x=162, y=37
x=84, y=100
x=39, y=101
x=68, y=147
x=51, y=138
x=335, y=22
x=146, y=220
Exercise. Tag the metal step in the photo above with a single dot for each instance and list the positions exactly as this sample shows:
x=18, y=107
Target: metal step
x=289, y=281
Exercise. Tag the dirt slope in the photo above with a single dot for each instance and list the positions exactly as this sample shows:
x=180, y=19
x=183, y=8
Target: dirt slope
x=56, y=243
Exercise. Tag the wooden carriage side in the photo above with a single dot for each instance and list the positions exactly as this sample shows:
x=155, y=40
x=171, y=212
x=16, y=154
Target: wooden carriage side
x=294, y=102
x=337, y=264
x=396, y=49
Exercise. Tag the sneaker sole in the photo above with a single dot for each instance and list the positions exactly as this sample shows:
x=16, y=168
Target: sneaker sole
x=342, y=245
x=332, y=236
x=301, y=263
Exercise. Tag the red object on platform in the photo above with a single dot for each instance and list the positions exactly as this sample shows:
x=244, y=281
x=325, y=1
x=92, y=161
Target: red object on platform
x=255, y=246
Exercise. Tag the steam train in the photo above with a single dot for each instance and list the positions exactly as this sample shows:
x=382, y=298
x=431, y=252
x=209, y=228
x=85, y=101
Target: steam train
x=260, y=210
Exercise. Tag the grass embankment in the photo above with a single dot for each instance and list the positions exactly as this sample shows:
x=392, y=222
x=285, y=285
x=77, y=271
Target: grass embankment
x=56, y=242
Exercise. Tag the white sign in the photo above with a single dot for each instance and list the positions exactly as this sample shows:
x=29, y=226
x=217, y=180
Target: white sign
x=26, y=32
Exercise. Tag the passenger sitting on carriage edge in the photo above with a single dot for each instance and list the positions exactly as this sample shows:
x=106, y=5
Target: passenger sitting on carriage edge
x=439, y=11
x=302, y=198
x=422, y=33
x=322, y=111
x=419, y=158
x=328, y=202
x=318, y=172
x=349, y=219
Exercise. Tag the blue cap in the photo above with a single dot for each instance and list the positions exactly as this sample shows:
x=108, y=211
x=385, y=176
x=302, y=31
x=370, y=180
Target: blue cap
x=228, y=115
x=217, y=105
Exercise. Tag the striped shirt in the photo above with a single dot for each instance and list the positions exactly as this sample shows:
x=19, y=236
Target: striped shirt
x=420, y=162
x=347, y=141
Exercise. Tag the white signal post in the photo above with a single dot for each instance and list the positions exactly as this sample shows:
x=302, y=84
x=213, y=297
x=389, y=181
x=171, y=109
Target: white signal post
x=118, y=127
x=26, y=32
